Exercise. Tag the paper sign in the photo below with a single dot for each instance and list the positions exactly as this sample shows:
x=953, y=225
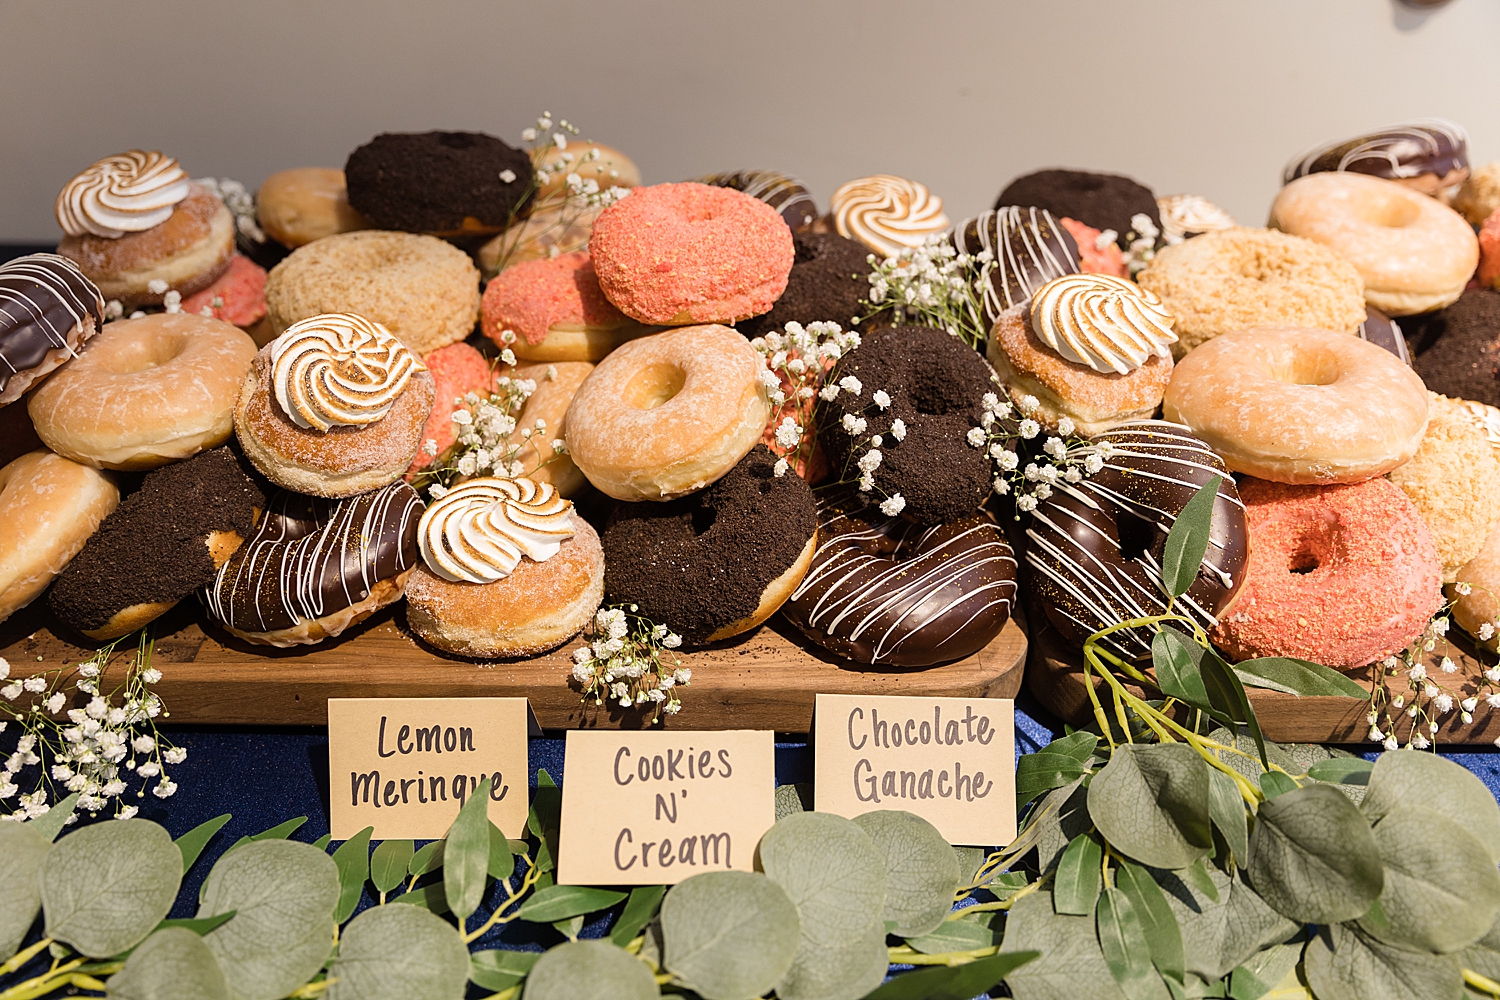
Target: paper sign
x=951, y=761
x=405, y=765
x=656, y=808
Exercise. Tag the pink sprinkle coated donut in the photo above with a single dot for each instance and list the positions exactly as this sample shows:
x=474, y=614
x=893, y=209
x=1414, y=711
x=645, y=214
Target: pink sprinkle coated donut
x=1341, y=575
x=690, y=253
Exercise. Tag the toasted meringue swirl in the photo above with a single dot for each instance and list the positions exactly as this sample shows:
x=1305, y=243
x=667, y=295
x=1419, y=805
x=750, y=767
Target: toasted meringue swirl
x=128, y=193
x=339, y=370
x=1184, y=215
x=1107, y=323
x=887, y=213
x=478, y=532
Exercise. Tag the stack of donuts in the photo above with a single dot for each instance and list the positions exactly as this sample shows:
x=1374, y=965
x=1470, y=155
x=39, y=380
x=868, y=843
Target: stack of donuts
x=287, y=415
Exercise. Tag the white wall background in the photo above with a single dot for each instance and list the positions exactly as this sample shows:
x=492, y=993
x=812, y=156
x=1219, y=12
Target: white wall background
x=1208, y=96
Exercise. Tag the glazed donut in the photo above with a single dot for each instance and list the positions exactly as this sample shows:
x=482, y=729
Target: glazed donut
x=669, y=413
x=1340, y=575
x=1414, y=253
x=1430, y=155
x=829, y=283
x=298, y=206
x=887, y=213
x=508, y=569
x=936, y=386
x=1102, y=201
x=49, y=506
x=145, y=392
x=1184, y=216
x=456, y=370
x=314, y=567
x=1029, y=248
x=691, y=253
x=542, y=235
x=1463, y=359
x=554, y=311
x=1481, y=605
x=884, y=591
x=786, y=194
x=1232, y=280
x=591, y=161
x=719, y=562
x=47, y=310
x=1090, y=347
x=556, y=385
x=166, y=540
x=333, y=407
x=423, y=290
x=1300, y=406
x=1094, y=549
x=138, y=227
x=441, y=183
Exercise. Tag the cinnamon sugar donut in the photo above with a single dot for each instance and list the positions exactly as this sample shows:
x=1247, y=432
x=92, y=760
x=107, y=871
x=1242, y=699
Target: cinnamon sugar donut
x=670, y=413
x=144, y=392
x=554, y=311
x=49, y=507
x=1341, y=575
x=691, y=253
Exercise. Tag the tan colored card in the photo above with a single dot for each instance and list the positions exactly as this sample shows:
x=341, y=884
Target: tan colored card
x=405, y=765
x=951, y=761
x=658, y=807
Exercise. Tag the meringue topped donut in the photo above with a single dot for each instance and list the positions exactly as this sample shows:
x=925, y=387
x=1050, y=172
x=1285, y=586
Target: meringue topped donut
x=887, y=213
x=129, y=193
x=47, y=310
x=1187, y=215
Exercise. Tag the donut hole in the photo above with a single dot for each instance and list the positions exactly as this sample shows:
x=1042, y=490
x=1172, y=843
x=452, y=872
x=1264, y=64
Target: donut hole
x=1304, y=561
x=654, y=385
x=146, y=353
x=1315, y=547
x=1308, y=367
x=1136, y=535
x=1392, y=213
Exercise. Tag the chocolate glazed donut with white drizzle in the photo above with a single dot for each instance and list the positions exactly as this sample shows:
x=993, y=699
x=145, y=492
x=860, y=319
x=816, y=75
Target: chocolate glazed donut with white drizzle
x=1094, y=549
x=1029, y=248
x=47, y=310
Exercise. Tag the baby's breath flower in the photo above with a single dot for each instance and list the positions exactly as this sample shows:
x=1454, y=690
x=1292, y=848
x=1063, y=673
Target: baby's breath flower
x=898, y=429
x=1464, y=589
x=1029, y=428
x=882, y=399
x=976, y=437
x=780, y=468
x=893, y=505
x=851, y=384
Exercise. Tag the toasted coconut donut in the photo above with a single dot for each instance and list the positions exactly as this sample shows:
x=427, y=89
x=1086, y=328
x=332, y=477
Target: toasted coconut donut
x=49, y=507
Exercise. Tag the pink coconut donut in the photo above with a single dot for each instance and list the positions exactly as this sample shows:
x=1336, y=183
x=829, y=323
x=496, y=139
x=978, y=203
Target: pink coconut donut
x=456, y=369
x=1341, y=575
x=691, y=253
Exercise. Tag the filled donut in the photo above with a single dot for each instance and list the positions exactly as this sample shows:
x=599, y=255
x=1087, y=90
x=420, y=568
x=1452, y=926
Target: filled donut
x=49, y=507
x=47, y=310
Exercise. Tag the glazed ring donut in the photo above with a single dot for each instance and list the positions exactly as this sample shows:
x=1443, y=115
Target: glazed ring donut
x=882, y=590
x=1300, y=406
x=1414, y=253
x=145, y=392
x=1339, y=575
x=719, y=562
x=556, y=385
x=1481, y=605
x=554, y=311
x=314, y=567
x=668, y=414
x=49, y=506
x=298, y=206
x=164, y=542
x=691, y=253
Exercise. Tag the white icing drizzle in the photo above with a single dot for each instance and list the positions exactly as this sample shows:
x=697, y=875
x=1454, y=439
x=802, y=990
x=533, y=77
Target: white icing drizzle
x=128, y=193
x=887, y=213
x=1107, y=323
x=1184, y=215
x=56, y=280
x=1029, y=247
x=781, y=191
x=1394, y=146
x=478, y=532
x=339, y=370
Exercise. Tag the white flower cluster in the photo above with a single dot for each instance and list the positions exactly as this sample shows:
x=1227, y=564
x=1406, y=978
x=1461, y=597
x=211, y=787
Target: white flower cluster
x=488, y=438
x=241, y=204
x=623, y=662
x=101, y=744
x=934, y=285
x=796, y=361
x=1142, y=239
x=1427, y=694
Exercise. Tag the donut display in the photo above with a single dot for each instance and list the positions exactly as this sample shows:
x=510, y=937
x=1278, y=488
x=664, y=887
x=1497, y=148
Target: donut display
x=1029, y=248
x=47, y=310
x=1430, y=155
x=787, y=195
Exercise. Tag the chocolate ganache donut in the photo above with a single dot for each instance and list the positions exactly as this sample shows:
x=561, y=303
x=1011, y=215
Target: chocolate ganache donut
x=936, y=386
x=882, y=590
x=316, y=566
x=829, y=283
x=1383, y=331
x=440, y=183
x=1431, y=155
x=787, y=195
x=1029, y=247
x=1094, y=549
x=718, y=562
x=1102, y=201
x=47, y=310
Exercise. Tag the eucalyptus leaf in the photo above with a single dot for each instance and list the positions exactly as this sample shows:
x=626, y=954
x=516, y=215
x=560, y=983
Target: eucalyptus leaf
x=389, y=862
x=106, y=886
x=1123, y=943
x=399, y=953
x=192, y=843
x=1060, y=816
x=1299, y=677
x=793, y=799
x=1484, y=955
x=922, y=872
x=322, y=842
x=545, y=819
x=1342, y=770
x=729, y=935
x=281, y=831
x=1227, y=694
x=970, y=860
x=428, y=897
x=1442, y=891
x=1075, y=887
x=569, y=927
x=836, y=970
x=1226, y=807
x=502, y=863
x=957, y=982
x=1062, y=761
x=427, y=859
x=1313, y=857
x=22, y=849
x=1342, y=963
x=1071, y=965
x=1197, y=875
x=1261, y=972
x=1150, y=802
x=1175, y=658
x=963, y=934
x=284, y=893
x=466, y=856
x=560, y=902
x=1404, y=778
x=590, y=970
x=1219, y=935
x=353, y=861
x=1245, y=761
x=639, y=910
x=1158, y=922
x=50, y=823
x=198, y=926
x=500, y=968
x=1187, y=541
x=1274, y=783
x=171, y=964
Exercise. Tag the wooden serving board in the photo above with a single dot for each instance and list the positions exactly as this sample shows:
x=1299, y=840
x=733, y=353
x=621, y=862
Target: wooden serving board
x=765, y=679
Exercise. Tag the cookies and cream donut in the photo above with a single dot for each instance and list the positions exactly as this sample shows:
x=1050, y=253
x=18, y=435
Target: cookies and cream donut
x=829, y=283
x=442, y=183
x=333, y=407
x=1430, y=155
x=50, y=507
x=1107, y=202
x=1187, y=215
x=48, y=308
x=554, y=311
x=1458, y=349
x=508, y=569
x=887, y=213
x=785, y=193
x=314, y=567
x=1029, y=248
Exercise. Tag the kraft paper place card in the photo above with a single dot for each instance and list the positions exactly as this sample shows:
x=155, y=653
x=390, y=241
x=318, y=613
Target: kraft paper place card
x=405, y=765
x=658, y=807
x=951, y=761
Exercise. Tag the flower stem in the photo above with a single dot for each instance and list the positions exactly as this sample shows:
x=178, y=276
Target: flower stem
x=950, y=958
